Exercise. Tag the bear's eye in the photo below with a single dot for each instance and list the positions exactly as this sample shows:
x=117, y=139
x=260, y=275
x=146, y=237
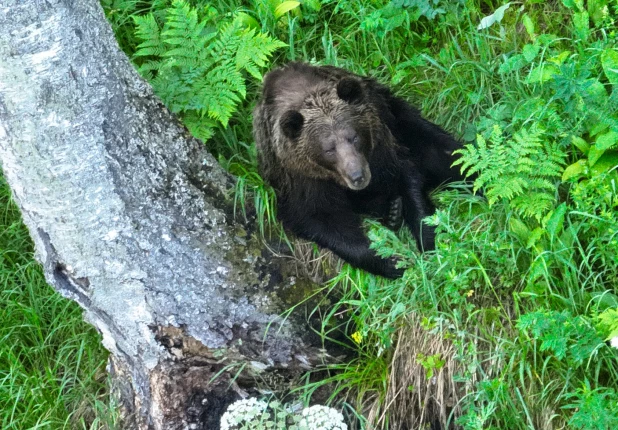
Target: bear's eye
x=355, y=140
x=329, y=152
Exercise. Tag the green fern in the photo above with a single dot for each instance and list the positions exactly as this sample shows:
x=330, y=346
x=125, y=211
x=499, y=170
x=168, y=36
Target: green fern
x=523, y=170
x=197, y=64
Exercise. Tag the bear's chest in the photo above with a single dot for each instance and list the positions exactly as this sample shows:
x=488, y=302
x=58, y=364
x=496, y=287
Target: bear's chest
x=376, y=199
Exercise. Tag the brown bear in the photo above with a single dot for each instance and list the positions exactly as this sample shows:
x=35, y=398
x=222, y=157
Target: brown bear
x=335, y=147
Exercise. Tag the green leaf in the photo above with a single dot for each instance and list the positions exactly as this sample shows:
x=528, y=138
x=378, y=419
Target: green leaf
x=534, y=237
x=497, y=16
x=575, y=170
x=594, y=154
x=285, y=7
x=559, y=59
x=609, y=61
x=580, y=144
x=520, y=229
x=542, y=73
x=598, y=127
x=581, y=23
x=607, y=322
x=537, y=270
x=529, y=24
x=605, y=163
x=607, y=140
x=512, y=64
x=556, y=220
x=530, y=51
x=246, y=20
x=574, y=4
x=198, y=62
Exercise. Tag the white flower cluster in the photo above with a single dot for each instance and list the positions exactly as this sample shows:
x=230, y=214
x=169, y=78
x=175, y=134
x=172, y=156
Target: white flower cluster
x=242, y=411
x=320, y=417
x=614, y=342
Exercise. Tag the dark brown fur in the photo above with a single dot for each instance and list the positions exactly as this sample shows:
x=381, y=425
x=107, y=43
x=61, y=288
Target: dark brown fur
x=335, y=147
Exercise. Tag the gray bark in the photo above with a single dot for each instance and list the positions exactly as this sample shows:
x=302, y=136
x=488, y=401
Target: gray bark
x=132, y=219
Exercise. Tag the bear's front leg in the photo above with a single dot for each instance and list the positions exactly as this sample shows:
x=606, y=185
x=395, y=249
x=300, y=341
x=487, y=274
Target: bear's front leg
x=343, y=234
x=416, y=206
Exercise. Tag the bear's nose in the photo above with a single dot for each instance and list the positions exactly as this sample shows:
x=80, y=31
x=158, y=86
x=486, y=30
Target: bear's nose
x=357, y=177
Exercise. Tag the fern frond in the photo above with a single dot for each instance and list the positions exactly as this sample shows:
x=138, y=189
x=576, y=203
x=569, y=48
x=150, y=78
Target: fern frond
x=254, y=50
x=200, y=127
x=196, y=66
x=147, y=29
x=523, y=170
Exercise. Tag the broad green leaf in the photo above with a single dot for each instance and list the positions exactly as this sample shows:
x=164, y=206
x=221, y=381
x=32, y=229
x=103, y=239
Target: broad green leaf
x=594, y=154
x=598, y=127
x=246, y=20
x=580, y=144
x=512, y=64
x=542, y=73
x=534, y=237
x=520, y=229
x=530, y=51
x=574, y=170
x=607, y=322
x=609, y=61
x=605, y=163
x=546, y=39
x=559, y=59
x=497, y=16
x=607, y=140
x=574, y=4
x=581, y=23
x=556, y=220
x=604, y=300
x=285, y=7
x=529, y=24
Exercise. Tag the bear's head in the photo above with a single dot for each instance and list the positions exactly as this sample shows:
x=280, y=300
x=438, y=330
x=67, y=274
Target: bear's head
x=329, y=135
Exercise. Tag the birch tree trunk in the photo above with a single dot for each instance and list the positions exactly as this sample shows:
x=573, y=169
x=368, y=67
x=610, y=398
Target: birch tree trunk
x=132, y=219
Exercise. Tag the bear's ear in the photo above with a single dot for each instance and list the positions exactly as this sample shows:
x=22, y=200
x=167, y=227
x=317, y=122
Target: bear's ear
x=291, y=124
x=349, y=90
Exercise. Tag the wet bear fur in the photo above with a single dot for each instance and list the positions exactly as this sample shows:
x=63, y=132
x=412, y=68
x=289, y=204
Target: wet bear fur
x=337, y=147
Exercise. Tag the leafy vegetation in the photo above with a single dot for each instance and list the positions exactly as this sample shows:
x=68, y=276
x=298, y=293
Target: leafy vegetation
x=510, y=322
x=196, y=66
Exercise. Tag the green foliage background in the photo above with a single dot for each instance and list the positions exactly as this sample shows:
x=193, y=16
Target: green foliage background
x=524, y=282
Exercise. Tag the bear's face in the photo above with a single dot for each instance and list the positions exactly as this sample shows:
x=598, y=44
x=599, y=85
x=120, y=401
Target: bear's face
x=330, y=135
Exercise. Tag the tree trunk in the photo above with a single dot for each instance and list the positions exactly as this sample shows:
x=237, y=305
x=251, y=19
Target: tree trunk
x=132, y=218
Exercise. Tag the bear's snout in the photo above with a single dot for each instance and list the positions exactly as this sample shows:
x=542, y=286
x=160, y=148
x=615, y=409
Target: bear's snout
x=357, y=175
x=352, y=166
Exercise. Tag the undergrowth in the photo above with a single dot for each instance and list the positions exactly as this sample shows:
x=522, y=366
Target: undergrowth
x=508, y=324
